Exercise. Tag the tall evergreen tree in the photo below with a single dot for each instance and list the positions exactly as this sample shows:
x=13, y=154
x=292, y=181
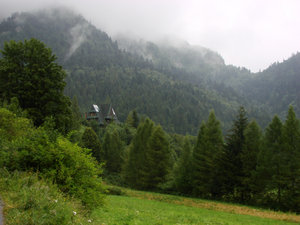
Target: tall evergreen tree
x=207, y=150
x=251, y=149
x=291, y=146
x=133, y=119
x=271, y=166
x=200, y=167
x=136, y=169
x=91, y=141
x=113, y=151
x=232, y=162
x=215, y=148
x=158, y=158
x=183, y=170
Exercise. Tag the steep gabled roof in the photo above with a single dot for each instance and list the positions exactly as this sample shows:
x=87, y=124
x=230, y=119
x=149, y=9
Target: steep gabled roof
x=102, y=113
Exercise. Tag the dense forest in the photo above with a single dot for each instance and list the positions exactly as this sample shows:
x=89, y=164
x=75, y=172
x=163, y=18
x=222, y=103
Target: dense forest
x=160, y=107
x=99, y=71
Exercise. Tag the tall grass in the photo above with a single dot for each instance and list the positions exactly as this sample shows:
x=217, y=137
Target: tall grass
x=32, y=201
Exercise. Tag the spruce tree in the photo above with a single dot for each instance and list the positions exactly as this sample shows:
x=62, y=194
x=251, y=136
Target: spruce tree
x=136, y=168
x=271, y=167
x=215, y=148
x=91, y=141
x=76, y=115
x=231, y=163
x=207, y=150
x=183, y=170
x=251, y=149
x=133, y=119
x=291, y=146
x=158, y=158
x=200, y=167
x=113, y=151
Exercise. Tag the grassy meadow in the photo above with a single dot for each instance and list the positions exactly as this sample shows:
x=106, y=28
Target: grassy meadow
x=137, y=207
x=32, y=201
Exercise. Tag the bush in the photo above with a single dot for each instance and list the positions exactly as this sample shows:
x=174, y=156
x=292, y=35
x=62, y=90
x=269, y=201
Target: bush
x=71, y=167
x=115, y=191
x=30, y=200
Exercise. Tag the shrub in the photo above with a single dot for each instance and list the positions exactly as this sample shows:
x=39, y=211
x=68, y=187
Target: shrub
x=30, y=200
x=71, y=167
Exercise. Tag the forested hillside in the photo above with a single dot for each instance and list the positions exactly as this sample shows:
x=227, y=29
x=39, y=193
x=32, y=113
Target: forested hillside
x=99, y=71
x=273, y=89
x=41, y=130
x=276, y=87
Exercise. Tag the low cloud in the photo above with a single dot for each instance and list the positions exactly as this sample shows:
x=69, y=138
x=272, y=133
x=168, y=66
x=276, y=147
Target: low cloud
x=79, y=34
x=250, y=33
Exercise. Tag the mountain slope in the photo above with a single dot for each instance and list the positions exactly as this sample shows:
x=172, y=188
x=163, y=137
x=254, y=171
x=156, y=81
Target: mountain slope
x=277, y=87
x=98, y=71
x=273, y=89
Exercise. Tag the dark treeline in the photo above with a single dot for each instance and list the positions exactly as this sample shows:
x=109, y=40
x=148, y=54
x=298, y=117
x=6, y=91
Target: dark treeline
x=248, y=166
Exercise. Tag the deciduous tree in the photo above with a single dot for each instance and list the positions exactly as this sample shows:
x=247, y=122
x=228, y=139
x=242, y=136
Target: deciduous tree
x=28, y=71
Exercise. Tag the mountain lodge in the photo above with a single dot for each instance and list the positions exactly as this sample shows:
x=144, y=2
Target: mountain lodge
x=103, y=114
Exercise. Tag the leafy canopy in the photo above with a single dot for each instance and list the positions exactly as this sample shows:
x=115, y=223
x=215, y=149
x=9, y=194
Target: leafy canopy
x=28, y=71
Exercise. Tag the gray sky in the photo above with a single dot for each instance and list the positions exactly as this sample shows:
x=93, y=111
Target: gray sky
x=249, y=33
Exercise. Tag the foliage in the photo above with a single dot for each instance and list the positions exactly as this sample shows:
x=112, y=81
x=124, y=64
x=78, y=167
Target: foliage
x=113, y=151
x=133, y=119
x=158, y=158
x=135, y=169
x=183, y=169
x=291, y=148
x=149, y=157
x=271, y=165
x=249, y=155
x=31, y=200
x=28, y=72
x=72, y=168
x=206, y=152
x=91, y=141
x=232, y=161
x=276, y=87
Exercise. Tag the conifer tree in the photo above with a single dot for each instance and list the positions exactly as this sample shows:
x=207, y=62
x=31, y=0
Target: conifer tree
x=183, y=170
x=76, y=115
x=136, y=170
x=207, y=150
x=91, y=141
x=291, y=146
x=113, y=151
x=200, y=168
x=215, y=148
x=270, y=171
x=158, y=158
x=252, y=146
x=133, y=119
x=231, y=164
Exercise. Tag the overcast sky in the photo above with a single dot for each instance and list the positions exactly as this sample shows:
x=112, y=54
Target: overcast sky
x=248, y=33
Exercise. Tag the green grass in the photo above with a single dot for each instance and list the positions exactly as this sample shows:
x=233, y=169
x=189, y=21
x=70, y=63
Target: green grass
x=213, y=205
x=29, y=200
x=132, y=210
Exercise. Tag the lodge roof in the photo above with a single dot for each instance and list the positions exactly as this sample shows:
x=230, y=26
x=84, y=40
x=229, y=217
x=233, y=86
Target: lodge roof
x=103, y=114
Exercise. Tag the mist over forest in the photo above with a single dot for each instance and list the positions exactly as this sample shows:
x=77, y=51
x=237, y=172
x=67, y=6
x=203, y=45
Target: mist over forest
x=81, y=104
